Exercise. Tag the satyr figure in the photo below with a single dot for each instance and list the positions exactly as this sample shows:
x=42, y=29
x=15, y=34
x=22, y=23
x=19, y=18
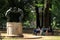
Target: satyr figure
x=14, y=15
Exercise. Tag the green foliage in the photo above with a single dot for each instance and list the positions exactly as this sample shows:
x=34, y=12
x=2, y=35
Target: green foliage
x=27, y=24
x=3, y=8
x=56, y=13
x=28, y=7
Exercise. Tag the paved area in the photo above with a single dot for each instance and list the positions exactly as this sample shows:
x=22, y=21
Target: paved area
x=26, y=37
x=32, y=37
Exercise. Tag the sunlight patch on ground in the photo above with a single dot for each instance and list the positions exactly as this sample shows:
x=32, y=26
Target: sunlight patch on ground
x=32, y=37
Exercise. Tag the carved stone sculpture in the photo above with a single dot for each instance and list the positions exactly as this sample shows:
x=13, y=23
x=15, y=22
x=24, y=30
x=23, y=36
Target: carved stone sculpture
x=14, y=14
x=14, y=21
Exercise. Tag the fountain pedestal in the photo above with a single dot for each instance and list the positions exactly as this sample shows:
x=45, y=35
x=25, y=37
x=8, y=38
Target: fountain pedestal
x=14, y=29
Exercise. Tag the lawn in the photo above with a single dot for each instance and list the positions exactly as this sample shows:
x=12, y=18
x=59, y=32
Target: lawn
x=52, y=38
x=43, y=38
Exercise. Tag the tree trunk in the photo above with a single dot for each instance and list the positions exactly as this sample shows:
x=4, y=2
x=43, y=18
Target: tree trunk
x=37, y=17
x=46, y=13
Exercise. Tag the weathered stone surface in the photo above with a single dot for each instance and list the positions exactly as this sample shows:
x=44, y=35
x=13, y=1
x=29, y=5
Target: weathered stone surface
x=14, y=28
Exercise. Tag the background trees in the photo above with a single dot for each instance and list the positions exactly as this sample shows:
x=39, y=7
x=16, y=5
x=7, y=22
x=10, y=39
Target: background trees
x=34, y=10
x=55, y=13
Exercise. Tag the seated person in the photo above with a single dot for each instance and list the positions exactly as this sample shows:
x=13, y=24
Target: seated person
x=43, y=31
x=37, y=30
x=51, y=31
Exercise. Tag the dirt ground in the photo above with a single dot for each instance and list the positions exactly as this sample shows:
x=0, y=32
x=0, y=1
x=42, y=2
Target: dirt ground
x=32, y=37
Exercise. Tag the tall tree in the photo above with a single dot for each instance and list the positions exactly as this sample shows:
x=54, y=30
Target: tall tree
x=37, y=16
x=47, y=12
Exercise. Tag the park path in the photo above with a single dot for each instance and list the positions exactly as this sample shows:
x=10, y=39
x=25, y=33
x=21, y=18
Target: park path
x=32, y=37
x=26, y=37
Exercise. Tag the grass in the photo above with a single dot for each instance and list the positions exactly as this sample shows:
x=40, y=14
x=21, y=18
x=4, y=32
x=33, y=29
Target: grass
x=43, y=38
x=52, y=38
